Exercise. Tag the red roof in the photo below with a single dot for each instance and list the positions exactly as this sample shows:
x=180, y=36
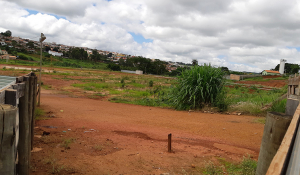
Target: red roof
x=272, y=71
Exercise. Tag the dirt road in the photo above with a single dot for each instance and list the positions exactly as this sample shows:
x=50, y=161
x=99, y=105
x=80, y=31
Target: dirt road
x=89, y=136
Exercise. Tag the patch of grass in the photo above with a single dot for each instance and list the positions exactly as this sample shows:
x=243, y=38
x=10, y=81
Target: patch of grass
x=246, y=167
x=261, y=120
x=138, y=85
x=39, y=113
x=150, y=83
x=98, y=147
x=66, y=143
x=47, y=87
x=279, y=106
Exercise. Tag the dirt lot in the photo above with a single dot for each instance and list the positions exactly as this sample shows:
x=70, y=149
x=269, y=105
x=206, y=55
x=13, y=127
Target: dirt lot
x=89, y=136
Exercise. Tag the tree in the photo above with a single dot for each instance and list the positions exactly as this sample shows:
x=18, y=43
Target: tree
x=30, y=44
x=7, y=33
x=113, y=67
x=14, y=43
x=225, y=70
x=289, y=68
x=47, y=48
x=194, y=62
x=55, y=49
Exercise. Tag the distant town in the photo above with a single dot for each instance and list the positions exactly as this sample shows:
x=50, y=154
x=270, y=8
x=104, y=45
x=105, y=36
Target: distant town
x=11, y=45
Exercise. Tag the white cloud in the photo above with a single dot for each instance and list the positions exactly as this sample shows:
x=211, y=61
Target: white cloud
x=245, y=35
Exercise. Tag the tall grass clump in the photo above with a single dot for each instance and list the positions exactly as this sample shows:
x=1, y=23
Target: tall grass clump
x=198, y=86
x=279, y=106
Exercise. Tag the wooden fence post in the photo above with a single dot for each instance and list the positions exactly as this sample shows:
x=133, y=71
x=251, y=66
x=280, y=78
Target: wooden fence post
x=274, y=131
x=30, y=107
x=170, y=143
x=33, y=108
x=24, y=141
x=7, y=139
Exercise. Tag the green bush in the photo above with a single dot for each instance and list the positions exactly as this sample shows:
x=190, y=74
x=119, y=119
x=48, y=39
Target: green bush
x=279, y=106
x=150, y=83
x=198, y=86
x=114, y=67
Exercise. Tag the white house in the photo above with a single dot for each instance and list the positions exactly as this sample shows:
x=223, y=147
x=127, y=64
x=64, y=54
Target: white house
x=2, y=43
x=55, y=53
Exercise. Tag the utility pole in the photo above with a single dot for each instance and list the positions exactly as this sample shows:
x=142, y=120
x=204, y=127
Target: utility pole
x=43, y=37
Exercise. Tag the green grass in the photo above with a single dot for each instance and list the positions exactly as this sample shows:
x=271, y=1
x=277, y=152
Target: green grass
x=253, y=103
x=198, y=86
x=279, y=106
x=246, y=167
x=39, y=113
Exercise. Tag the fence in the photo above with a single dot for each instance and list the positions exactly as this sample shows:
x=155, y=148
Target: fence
x=17, y=106
x=284, y=158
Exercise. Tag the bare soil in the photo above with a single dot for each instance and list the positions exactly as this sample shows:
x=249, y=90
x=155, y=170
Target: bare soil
x=89, y=136
x=271, y=83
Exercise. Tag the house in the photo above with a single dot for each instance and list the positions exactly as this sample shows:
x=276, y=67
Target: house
x=3, y=52
x=2, y=43
x=4, y=56
x=55, y=53
x=270, y=72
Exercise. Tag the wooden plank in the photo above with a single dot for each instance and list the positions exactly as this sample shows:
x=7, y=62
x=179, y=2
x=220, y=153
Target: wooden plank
x=24, y=142
x=7, y=150
x=20, y=87
x=33, y=108
x=2, y=96
x=294, y=81
x=11, y=97
x=278, y=161
x=30, y=107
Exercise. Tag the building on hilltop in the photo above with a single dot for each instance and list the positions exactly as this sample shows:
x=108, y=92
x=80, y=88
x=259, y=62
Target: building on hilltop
x=55, y=53
x=270, y=72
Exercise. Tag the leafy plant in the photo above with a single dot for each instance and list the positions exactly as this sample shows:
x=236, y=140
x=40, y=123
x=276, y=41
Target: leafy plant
x=150, y=83
x=197, y=86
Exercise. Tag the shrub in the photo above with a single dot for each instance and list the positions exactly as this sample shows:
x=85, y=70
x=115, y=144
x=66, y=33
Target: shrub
x=198, y=86
x=279, y=106
x=114, y=67
x=150, y=83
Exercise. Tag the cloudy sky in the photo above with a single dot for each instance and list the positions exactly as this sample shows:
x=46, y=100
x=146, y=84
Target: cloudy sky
x=243, y=35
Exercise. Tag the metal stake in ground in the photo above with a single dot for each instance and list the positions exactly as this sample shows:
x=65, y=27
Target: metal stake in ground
x=169, y=143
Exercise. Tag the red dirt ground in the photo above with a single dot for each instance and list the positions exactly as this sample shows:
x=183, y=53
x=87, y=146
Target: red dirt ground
x=131, y=139
x=271, y=83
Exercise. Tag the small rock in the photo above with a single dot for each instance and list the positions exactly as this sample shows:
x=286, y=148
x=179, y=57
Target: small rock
x=193, y=166
x=239, y=113
x=62, y=150
x=223, y=128
x=61, y=110
x=211, y=112
x=195, y=156
x=69, y=129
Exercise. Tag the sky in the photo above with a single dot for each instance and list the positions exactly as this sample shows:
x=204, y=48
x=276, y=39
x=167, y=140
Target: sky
x=243, y=35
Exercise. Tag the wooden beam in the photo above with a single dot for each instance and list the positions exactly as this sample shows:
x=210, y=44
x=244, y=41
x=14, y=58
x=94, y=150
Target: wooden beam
x=20, y=87
x=24, y=142
x=278, y=161
x=7, y=145
x=11, y=97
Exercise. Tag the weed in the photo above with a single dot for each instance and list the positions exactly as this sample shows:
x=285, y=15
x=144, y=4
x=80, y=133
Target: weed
x=150, y=83
x=98, y=147
x=66, y=143
x=212, y=169
x=246, y=167
x=279, y=106
x=261, y=120
x=39, y=113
